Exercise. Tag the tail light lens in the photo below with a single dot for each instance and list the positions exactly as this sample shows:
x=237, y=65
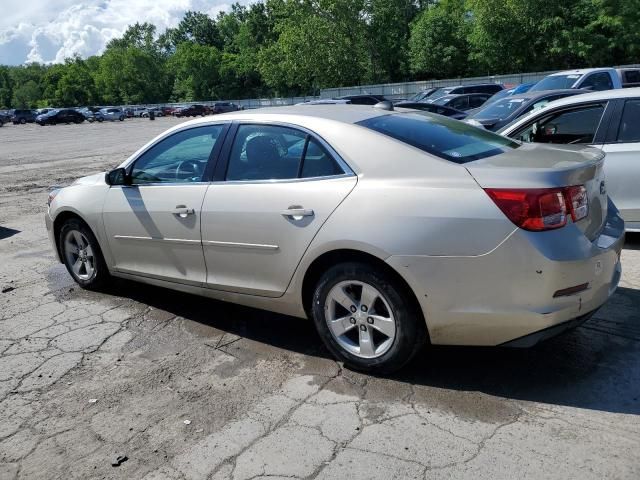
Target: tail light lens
x=577, y=201
x=543, y=208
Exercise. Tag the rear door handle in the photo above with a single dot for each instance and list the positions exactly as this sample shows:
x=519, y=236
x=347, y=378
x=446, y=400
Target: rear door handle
x=297, y=213
x=182, y=211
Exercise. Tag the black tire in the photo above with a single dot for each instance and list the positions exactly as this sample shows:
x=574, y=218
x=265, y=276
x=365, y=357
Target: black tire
x=121, y=118
x=23, y=121
x=410, y=328
x=100, y=275
x=100, y=119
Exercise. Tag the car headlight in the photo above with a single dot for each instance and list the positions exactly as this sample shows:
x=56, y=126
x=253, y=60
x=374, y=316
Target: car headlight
x=52, y=195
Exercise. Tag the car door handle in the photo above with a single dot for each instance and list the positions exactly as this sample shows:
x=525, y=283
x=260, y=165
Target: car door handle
x=182, y=211
x=297, y=213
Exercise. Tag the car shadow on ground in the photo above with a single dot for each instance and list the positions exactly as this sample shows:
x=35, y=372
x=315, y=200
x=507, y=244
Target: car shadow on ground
x=7, y=232
x=595, y=366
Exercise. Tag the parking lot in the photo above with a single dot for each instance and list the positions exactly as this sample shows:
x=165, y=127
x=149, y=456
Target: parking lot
x=190, y=388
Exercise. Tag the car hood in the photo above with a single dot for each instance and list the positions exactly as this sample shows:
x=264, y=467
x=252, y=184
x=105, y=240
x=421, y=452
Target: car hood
x=95, y=179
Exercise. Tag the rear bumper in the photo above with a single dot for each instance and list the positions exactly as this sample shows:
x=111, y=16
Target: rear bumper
x=508, y=293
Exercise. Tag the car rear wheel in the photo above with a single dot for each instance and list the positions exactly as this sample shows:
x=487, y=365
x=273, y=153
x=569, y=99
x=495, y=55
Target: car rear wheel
x=23, y=121
x=366, y=318
x=81, y=255
x=100, y=119
x=121, y=118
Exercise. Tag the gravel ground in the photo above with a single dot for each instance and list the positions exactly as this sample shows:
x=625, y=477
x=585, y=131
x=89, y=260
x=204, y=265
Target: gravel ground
x=190, y=388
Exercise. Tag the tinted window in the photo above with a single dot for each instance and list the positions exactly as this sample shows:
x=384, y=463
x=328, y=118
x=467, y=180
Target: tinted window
x=270, y=152
x=631, y=76
x=446, y=138
x=578, y=125
x=180, y=158
x=598, y=81
x=477, y=101
x=555, y=82
x=364, y=101
x=629, y=130
x=501, y=108
x=460, y=103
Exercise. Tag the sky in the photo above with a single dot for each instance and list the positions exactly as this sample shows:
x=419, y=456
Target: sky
x=49, y=30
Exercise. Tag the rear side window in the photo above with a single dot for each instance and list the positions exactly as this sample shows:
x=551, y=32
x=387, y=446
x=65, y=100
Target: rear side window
x=598, y=81
x=575, y=126
x=629, y=130
x=446, y=138
x=272, y=152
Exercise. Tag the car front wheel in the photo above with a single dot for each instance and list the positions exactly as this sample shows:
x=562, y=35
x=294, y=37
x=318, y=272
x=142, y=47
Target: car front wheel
x=366, y=318
x=81, y=255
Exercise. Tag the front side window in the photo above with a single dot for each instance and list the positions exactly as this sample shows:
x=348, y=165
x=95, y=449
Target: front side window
x=271, y=152
x=446, y=138
x=598, y=81
x=575, y=126
x=629, y=130
x=180, y=158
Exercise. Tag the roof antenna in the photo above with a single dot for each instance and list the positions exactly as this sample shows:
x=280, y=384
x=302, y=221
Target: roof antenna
x=384, y=105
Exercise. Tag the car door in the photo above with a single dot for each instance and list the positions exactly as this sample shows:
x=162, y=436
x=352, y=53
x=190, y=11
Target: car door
x=275, y=189
x=153, y=224
x=622, y=164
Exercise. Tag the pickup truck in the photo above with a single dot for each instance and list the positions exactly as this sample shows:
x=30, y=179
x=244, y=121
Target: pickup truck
x=595, y=79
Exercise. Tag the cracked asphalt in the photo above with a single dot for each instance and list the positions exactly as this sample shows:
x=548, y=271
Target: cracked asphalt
x=190, y=388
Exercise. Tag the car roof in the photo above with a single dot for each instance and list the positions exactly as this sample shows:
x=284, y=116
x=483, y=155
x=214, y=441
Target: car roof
x=596, y=96
x=542, y=93
x=335, y=112
x=580, y=71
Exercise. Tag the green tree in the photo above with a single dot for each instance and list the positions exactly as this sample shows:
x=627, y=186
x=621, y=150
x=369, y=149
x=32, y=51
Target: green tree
x=438, y=42
x=195, y=27
x=26, y=95
x=6, y=87
x=196, y=71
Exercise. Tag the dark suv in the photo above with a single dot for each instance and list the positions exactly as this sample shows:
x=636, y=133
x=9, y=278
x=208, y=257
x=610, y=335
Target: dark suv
x=23, y=116
x=191, y=111
x=64, y=115
x=224, y=107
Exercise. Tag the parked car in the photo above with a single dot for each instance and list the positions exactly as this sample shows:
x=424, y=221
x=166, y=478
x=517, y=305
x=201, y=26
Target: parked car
x=23, y=116
x=494, y=116
x=522, y=88
x=461, y=102
x=489, y=88
x=62, y=115
x=363, y=99
x=433, y=108
x=42, y=111
x=191, y=111
x=606, y=120
x=630, y=77
x=87, y=113
x=157, y=111
x=407, y=228
x=422, y=95
x=5, y=117
x=168, y=110
x=224, y=107
x=325, y=101
x=110, y=113
x=586, y=78
x=139, y=111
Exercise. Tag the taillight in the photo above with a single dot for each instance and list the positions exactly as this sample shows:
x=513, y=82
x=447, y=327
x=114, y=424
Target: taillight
x=542, y=208
x=577, y=201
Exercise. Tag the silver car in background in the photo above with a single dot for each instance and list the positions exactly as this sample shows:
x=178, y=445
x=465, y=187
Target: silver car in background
x=110, y=113
x=609, y=121
x=390, y=229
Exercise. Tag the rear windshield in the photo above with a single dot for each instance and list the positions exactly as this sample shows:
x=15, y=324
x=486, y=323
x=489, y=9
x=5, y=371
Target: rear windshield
x=501, y=109
x=555, y=82
x=446, y=138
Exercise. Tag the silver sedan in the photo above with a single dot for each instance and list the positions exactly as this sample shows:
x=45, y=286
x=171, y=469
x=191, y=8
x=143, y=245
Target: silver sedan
x=390, y=229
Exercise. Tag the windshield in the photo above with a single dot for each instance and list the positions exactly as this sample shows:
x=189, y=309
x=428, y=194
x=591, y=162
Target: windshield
x=450, y=139
x=440, y=92
x=500, y=109
x=442, y=100
x=555, y=82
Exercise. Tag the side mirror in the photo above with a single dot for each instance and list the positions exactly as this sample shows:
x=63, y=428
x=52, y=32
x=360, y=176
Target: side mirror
x=118, y=176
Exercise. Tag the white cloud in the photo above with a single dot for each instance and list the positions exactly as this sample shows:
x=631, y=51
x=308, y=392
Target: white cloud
x=49, y=31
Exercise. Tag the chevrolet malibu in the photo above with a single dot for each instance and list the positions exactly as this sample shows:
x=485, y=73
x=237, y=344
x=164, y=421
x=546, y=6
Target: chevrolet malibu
x=390, y=229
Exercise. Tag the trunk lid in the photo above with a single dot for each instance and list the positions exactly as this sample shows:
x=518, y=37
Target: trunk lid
x=548, y=166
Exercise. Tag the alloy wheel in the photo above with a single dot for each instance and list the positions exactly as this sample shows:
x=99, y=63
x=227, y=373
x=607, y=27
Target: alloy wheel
x=79, y=255
x=360, y=319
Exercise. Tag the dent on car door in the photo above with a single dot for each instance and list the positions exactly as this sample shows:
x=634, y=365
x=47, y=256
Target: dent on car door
x=153, y=225
x=622, y=165
x=274, y=192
